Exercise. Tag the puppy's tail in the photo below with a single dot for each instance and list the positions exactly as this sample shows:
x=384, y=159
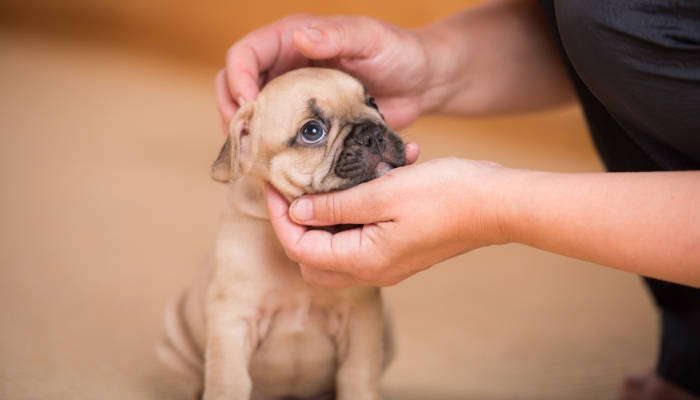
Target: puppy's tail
x=178, y=349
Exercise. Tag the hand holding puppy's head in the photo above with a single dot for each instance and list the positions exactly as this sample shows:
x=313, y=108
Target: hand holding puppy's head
x=310, y=130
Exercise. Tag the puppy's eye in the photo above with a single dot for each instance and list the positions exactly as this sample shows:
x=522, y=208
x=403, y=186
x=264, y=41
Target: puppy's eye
x=371, y=103
x=312, y=132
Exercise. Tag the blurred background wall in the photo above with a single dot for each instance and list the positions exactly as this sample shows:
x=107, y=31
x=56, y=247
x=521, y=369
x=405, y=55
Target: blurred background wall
x=196, y=31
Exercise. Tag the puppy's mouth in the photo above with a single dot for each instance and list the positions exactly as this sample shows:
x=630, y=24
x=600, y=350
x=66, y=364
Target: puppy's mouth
x=382, y=168
x=369, y=151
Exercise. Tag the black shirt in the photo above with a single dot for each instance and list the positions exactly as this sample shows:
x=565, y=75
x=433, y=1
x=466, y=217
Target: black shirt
x=636, y=67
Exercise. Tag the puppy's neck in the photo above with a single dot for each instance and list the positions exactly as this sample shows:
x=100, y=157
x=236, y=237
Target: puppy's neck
x=246, y=196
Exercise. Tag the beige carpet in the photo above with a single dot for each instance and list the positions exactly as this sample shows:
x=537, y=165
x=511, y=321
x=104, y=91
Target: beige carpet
x=107, y=209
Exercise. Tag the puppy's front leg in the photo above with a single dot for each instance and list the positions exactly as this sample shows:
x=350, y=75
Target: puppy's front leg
x=361, y=367
x=229, y=348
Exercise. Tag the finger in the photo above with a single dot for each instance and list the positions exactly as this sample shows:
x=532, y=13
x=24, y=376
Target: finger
x=339, y=37
x=264, y=53
x=224, y=101
x=249, y=57
x=362, y=204
x=243, y=72
x=314, y=248
x=287, y=231
x=331, y=279
x=411, y=151
x=399, y=112
x=322, y=250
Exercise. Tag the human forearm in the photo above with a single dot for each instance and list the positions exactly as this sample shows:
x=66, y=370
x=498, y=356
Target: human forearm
x=647, y=223
x=495, y=58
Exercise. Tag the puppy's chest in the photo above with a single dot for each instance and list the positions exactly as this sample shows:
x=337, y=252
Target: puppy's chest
x=296, y=312
x=300, y=336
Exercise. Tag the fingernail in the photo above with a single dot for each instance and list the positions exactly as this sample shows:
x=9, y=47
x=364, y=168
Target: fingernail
x=302, y=209
x=241, y=101
x=312, y=34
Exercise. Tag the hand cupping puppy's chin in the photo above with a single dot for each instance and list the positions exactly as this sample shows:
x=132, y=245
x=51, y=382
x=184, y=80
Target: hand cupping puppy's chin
x=381, y=169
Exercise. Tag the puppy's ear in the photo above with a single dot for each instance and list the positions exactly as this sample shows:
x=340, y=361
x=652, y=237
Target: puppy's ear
x=224, y=169
x=227, y=166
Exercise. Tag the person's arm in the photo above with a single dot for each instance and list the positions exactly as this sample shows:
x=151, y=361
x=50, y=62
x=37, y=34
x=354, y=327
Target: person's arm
x=644, y=222
x=494, y=58
x=502, y=59
x=416, y=216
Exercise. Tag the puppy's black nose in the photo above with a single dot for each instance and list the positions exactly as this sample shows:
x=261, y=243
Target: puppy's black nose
x=369, y=135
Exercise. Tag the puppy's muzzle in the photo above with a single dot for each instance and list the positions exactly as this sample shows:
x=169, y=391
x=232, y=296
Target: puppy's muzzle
x=369, y=151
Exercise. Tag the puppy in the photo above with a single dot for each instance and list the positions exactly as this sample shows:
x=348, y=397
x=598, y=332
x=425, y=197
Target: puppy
x=250, y=327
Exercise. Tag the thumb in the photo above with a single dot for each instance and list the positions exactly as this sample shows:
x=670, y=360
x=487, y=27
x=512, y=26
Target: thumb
x=362, y=204
x=346, y=37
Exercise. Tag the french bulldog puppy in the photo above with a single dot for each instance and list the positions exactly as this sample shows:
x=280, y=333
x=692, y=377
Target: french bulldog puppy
x=250, y=327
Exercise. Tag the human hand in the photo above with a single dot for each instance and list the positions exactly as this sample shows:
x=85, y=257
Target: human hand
x=390, y=61
x=412, y=217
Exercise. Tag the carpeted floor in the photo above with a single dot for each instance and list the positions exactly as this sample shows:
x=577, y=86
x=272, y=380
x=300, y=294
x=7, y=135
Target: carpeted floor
x=107, y=209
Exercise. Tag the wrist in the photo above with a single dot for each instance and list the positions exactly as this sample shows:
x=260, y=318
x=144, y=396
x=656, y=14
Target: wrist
x=515, y=201
x=480, y=195
x=507, y=196
x=437, y=43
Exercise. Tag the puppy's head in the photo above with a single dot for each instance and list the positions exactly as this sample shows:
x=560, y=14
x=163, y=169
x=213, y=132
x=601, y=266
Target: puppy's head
x=310, y=130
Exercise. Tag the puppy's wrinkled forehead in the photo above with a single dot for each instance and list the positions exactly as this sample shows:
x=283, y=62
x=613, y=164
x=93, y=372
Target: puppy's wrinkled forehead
x=326, y=85
x=317, y=93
